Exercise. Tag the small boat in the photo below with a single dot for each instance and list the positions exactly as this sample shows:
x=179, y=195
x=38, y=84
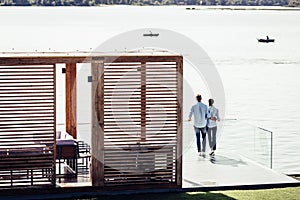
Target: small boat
x=267, y=40
x=150, y=34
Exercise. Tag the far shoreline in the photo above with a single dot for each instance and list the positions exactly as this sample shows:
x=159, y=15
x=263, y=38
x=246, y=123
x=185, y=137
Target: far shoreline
x=187, y=7
x=265, y=8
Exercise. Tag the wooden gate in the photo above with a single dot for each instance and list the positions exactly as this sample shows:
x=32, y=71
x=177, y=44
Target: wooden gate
x=136, y=139
x=27, y=125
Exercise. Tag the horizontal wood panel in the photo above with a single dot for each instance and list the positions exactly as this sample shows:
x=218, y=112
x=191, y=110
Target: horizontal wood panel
x=27, y=125
x=140, y=123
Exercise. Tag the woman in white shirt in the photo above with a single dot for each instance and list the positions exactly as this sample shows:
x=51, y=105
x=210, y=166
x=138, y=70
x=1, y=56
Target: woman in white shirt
x=213, y=117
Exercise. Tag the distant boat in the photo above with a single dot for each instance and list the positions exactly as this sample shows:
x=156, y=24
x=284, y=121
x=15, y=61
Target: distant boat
x=267, y=40
x=150, y=34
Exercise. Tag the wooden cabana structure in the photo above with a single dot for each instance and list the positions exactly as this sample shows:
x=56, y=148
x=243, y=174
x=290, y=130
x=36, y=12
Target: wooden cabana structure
x=136, y=118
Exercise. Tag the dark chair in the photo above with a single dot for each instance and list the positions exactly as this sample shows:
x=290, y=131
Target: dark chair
x=67, y=154
x=84, y=156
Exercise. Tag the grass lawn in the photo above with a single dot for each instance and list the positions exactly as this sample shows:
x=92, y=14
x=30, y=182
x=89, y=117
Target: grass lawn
x=276, y=194
x=291, y=193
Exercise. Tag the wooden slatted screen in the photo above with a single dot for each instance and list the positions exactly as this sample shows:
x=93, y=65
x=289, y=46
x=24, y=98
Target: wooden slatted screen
x=141, y=123
x=27, y=125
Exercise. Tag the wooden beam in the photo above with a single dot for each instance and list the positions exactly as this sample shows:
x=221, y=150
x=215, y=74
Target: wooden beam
x=97, y=166
x=143, y=102
x=71, y=116
x=53, y=178
x=179, y=65
x=48, y=59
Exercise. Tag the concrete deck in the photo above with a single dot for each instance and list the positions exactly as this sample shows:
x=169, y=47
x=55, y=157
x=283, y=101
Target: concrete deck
x=226, y=169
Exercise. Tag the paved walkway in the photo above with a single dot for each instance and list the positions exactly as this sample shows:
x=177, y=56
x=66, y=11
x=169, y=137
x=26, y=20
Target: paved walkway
x=225, y=169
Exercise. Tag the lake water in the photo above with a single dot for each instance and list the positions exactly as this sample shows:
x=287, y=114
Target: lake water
x=261, y=81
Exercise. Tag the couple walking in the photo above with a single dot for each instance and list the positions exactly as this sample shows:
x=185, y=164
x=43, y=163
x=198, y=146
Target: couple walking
x=205, y=121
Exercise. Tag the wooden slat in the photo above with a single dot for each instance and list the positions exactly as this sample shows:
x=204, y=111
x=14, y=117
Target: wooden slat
x=4, y=72
x=25, y=82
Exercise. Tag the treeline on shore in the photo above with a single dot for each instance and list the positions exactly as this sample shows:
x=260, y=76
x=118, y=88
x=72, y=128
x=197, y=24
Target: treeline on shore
x=293, y=3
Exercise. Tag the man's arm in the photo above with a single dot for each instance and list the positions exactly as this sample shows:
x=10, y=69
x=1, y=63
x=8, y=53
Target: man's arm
x=191, y=113
x=214, y=118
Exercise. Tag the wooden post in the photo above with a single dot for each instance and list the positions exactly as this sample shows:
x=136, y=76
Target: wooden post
x=71, y=118
x=143, y=102
x=97, y=166
x=53, y=175
x=179, y=64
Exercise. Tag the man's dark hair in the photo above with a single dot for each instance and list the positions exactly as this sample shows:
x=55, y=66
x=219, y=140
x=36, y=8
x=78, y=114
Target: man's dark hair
x=198, y=97
x=210, y=102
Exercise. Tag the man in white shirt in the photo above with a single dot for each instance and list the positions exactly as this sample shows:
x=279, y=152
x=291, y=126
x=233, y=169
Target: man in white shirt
x=199, y=111
x=213, y=117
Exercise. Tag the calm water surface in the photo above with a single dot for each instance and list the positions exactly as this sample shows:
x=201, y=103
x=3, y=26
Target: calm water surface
x=261, y=81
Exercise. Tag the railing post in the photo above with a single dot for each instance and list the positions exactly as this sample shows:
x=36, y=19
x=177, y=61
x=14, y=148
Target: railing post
x=271, y=161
